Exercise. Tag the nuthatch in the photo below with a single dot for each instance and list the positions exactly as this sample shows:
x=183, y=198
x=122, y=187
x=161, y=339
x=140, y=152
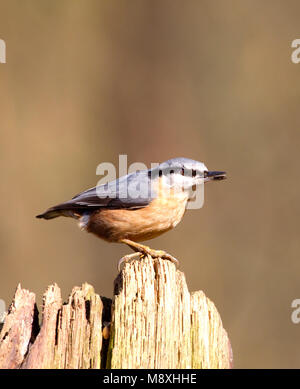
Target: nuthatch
x=139, y=206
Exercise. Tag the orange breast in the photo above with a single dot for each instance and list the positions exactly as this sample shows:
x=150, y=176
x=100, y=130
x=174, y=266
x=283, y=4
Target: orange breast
x=161, y=215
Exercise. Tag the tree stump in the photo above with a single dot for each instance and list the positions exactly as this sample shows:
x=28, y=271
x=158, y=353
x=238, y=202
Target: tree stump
x=153, y=322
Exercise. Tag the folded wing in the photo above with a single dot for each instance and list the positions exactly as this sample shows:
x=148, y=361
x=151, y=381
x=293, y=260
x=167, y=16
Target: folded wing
x=130, y=192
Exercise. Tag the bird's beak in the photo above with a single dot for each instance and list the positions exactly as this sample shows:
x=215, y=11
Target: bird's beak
x=212, y=175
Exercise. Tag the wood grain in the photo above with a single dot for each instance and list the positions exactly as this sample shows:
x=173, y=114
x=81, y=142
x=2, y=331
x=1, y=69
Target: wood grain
x=154, y=322
x=157, y=323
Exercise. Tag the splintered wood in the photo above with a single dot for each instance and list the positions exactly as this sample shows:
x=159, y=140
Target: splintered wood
x=16, y=332
x=158, y=324
x=155, y=324
x=70, y=335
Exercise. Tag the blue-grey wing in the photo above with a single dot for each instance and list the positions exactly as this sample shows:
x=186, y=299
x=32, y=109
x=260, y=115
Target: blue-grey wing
x=130, y=192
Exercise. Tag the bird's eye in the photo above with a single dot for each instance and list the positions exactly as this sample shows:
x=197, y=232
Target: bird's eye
x=160, y=173
x=171, y=171
x=182, y=172
x=194, y=173
x=205, y=174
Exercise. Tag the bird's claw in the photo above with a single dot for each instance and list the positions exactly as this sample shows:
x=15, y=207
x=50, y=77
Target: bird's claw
x=164, y=255
x=129, y=258
x=140, y=254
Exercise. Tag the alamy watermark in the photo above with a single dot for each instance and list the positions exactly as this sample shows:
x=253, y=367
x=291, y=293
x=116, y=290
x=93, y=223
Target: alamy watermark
x=144, y=184
x=295, y=57
x=2, y=311
x=2, y=51
x=295, y=317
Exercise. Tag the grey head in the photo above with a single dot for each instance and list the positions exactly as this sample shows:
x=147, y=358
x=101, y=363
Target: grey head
x=185, y=173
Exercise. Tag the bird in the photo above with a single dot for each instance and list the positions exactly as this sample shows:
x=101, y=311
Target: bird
x=139, y=206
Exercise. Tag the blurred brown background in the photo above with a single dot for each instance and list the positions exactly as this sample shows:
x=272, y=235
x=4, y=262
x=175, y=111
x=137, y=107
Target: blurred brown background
x=88, y=80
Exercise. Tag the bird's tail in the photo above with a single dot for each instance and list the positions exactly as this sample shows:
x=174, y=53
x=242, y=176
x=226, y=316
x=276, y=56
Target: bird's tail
x=60, y=210
x=49, y=214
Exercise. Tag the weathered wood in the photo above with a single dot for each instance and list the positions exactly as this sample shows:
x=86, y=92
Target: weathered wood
x=70, y=335
x=79, y=331
x=211, y=347
x=155, y=323
x=41, y=352
x=17, y=329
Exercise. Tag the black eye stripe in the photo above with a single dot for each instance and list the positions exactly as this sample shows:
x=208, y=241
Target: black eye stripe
x=189, y=172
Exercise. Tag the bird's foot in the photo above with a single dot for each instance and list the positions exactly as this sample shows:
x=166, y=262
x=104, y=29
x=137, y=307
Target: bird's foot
x=142, y=249
x=159, y=254
x=129, y=258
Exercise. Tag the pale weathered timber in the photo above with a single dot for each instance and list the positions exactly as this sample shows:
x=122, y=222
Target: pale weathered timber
x=41, y=353
x=155, y=323
x=79, y=331
x=17, y=329
x=70, y=335
x=211, y=348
